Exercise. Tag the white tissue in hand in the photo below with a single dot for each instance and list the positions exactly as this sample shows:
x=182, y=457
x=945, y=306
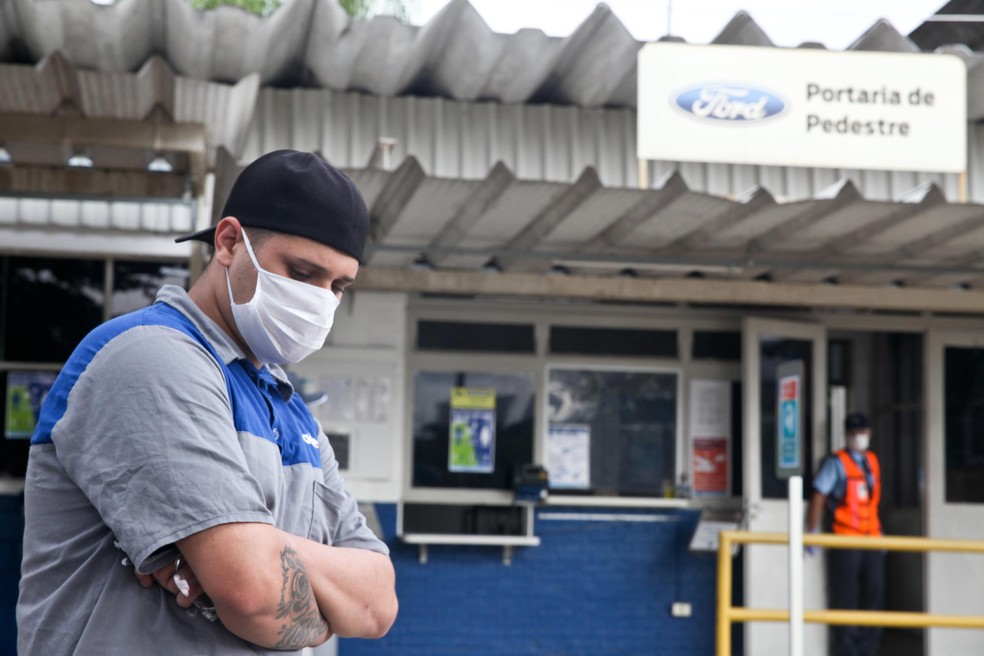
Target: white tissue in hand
x=182, y=584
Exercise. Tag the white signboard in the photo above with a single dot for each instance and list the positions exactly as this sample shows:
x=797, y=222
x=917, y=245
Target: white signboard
x=802, y=107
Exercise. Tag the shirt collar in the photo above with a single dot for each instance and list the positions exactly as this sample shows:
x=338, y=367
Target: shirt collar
x=226, y=348
x=224, y=345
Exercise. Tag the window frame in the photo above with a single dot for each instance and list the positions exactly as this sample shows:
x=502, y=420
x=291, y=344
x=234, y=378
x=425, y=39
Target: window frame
x=540, y=449
x=684, y=320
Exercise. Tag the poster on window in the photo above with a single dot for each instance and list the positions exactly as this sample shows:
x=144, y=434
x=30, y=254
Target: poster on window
x=710, y=436
x=569, y=456
x=472, y=434
x=25, y=394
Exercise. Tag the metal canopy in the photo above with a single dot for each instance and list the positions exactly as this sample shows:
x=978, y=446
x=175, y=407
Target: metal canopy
x=496, y=232
x=314, y=43
x=505, y=224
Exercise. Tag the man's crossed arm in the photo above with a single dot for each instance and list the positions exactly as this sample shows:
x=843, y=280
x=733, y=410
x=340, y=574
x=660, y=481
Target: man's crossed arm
x=281, y=591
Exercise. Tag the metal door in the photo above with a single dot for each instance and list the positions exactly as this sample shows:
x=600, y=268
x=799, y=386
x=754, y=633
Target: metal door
x=768, y=348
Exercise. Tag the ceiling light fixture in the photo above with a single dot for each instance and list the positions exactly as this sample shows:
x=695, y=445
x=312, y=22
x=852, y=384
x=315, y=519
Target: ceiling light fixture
x=80, y=161
x=160, y=164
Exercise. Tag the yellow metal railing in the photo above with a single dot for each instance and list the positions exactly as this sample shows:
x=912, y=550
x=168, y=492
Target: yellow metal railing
x=726, y=613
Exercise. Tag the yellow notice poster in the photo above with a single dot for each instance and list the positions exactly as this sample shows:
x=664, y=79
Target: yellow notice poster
x=472, y=434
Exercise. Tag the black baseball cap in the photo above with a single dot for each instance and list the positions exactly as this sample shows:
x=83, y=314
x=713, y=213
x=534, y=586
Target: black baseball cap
x=299, y=194
x=856, y=421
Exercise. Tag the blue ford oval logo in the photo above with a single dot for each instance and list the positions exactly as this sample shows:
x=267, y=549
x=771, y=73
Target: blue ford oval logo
x=729, y=102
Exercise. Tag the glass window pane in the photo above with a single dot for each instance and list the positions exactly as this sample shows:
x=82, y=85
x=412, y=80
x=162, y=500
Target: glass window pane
x=630, y=420
x=963, y=376
x=511, y=435
x=462, y=519
x=51, y=305
x=613, y=341
x=481, y=337
x=717, y=345
x=135, y=284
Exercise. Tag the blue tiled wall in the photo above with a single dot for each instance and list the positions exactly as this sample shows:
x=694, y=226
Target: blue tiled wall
x=591, y=587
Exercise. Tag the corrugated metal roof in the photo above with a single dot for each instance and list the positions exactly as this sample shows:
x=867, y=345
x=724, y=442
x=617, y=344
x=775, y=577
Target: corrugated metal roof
x=949, y=25
x=313, y=42
x=452, y=139
x=919, y=239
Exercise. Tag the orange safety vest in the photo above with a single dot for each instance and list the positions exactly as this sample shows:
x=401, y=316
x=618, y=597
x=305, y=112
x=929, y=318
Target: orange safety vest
x=857, y=512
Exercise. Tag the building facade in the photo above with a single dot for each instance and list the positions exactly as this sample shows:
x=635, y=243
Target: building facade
x=624, y=326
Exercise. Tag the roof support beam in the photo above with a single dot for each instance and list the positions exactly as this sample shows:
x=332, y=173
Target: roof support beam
x=670, y=290
x=477, y=204
x=73, y=131
x=544, y=223
x=757, y=201
x=844, y=241
x=652, y=203
x=846, y=194
x=23, y=180
x=400, y=188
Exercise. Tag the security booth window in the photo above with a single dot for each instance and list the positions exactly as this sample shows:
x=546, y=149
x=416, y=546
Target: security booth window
x=471, y=428
x=467, y=336
x=135, y=283
x=49, y=305
x=612, y=432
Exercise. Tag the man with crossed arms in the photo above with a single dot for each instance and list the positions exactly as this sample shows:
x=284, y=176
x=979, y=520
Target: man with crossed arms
x=173, y=443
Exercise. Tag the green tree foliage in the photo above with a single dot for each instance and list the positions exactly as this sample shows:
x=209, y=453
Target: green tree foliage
x=258, y=7
x=354, y=8
x=367, y=8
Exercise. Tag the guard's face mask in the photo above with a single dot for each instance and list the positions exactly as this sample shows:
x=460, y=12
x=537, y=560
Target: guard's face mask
x=859, y=442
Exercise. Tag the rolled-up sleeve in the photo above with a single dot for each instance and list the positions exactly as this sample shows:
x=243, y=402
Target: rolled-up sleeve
x=828, y=476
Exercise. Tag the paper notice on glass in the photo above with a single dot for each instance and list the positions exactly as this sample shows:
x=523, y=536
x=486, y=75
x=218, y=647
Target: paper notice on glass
x=472, y=433
x=710, y=436
x=569, y=456
x=340, y=405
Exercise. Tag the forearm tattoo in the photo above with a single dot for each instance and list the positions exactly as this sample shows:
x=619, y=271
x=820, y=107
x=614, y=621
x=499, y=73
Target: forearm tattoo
x=297, y=605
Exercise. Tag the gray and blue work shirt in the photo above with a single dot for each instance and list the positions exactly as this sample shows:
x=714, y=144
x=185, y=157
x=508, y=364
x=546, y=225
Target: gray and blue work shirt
x=156, y=429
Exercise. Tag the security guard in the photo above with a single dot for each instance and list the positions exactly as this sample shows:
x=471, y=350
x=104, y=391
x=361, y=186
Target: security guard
x=849, y=483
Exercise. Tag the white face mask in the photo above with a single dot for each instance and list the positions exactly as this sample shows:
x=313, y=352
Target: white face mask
x=859, y=442
x=286, y=320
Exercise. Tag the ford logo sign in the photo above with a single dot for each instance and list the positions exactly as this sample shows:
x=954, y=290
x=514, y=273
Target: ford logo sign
x=729, y=102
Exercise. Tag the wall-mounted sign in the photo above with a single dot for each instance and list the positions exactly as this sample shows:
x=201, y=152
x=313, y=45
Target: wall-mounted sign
x=802, y=107
x=472, y=446
x=710, y=436
x=26, y=391
x=789, y=419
